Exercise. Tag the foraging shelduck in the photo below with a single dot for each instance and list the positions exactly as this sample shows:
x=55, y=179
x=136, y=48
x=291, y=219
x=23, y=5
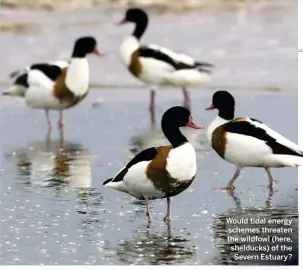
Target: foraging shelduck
x=161, y=172
x=58, y=85
x=156, y=65
x=247, y=142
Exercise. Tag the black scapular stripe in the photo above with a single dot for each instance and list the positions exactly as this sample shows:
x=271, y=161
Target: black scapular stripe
x=256, y=120
x=157, y=54
x=245, y=128
x=51, y=71
x=146, y=155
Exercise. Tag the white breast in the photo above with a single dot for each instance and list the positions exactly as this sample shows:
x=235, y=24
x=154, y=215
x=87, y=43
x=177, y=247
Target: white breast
x=182, y=163
x=128, y=46
x=77, y=77
x=218, y=121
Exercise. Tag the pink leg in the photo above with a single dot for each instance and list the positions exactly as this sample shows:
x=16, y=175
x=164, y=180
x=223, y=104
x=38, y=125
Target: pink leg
x=167, y=218
x=230, y=184
x=271, y=180
x=152, y=105
x=149, y=218
x=61, y=122
x=61, y=137
x=48, y=121
x=186, y=101
x=269, y=197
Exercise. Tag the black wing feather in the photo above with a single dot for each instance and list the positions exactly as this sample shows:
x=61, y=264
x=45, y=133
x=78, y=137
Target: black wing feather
x=51, y=71
x=107, y=181
x=146, y=155
x=22, y=80
x=203, y=64
x=246, y=128
x=177, y=65
x=156, y=54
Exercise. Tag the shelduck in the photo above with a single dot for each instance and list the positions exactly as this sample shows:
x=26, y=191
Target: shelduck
x=15, y=74
x=156, y=65
x=161, y=172
x=58, y=85
x=53, y=163
x=247, y=142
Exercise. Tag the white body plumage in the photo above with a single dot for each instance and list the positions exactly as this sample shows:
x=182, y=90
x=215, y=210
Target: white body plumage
x=249, y=151
x=180, y=164
x=157, y=72
x=40, y=91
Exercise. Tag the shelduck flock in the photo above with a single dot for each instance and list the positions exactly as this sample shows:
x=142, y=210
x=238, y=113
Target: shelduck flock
x=164, y=171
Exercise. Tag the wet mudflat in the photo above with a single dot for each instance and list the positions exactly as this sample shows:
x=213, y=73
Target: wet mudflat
x=54, y=209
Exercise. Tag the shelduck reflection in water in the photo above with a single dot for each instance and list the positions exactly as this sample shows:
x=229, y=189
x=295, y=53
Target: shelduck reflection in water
x=151, y=248
x=54, y=163
x=228, y=249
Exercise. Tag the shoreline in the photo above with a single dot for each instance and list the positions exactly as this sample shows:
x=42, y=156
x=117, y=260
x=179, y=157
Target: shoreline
x=158, y=5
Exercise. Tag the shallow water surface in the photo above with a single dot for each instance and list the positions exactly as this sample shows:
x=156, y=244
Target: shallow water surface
x=55, y=210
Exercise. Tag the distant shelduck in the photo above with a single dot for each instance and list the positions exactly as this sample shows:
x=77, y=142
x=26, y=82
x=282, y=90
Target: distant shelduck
x=247, y=142
x=161, y=172
x=57, y=85
x=156, y=65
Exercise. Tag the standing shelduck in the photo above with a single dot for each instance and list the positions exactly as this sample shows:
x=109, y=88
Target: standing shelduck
x=161, y=172
x=247, y=142
x=156, y=65
x=57, y=85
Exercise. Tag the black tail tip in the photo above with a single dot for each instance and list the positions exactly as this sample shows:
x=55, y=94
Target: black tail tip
x=14, y=73
x=5, y=94
x=107, y=181
x=203, y=64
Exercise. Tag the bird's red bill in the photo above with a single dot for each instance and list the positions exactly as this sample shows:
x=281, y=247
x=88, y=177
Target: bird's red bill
x=121, y=22
x=96, y=51
x=193, y=125
x=211, y=107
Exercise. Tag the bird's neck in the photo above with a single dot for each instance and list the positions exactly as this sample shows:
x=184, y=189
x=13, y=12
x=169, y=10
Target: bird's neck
x=78, y=52
x=140, y=28
x=227, y=113
x=174, y=135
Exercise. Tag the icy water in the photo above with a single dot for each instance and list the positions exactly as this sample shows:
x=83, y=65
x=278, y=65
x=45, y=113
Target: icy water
x=54, y=209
